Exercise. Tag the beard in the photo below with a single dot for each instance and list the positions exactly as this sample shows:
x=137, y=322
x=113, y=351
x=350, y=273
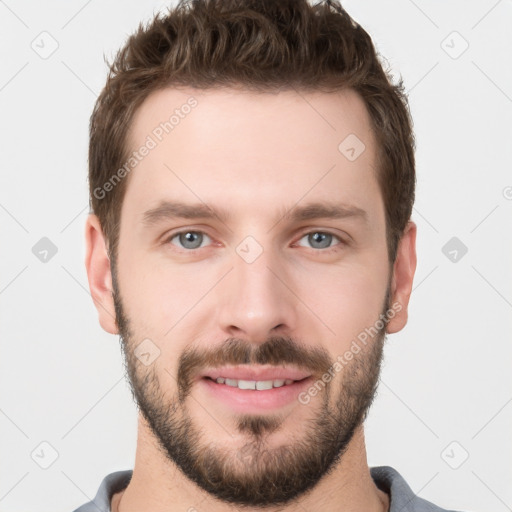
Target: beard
x=255, y=474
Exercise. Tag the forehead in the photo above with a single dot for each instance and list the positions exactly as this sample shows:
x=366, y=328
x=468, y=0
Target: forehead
x=253, y=148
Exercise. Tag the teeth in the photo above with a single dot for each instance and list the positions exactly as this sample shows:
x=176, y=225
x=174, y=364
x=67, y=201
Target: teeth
x=264, y=384
x=260, y=385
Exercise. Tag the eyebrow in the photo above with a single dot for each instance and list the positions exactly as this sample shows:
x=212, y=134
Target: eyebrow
x=199, y=211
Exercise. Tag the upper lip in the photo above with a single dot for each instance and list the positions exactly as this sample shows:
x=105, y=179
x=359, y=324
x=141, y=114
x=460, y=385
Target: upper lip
x=255, y=373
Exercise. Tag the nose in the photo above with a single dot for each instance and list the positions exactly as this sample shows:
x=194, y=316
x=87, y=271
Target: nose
x=256, y=301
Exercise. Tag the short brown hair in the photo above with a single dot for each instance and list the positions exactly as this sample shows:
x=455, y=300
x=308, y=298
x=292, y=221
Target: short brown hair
x=259, y=45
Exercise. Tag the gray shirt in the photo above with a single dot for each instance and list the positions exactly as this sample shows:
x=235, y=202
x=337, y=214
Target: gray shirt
x=402, y=499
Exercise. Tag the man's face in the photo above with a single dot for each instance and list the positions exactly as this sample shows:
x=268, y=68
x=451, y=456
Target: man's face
x=261, y=288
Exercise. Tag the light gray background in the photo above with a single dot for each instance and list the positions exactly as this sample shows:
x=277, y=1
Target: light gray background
x=446, y=376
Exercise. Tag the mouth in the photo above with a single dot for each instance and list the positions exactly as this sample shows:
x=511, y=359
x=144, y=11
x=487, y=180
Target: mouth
x=255, y=373
x=258, y=385
x=253, y=389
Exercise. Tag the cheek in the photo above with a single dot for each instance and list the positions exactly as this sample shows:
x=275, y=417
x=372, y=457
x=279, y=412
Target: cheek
x=347, y=300
x=160, y=296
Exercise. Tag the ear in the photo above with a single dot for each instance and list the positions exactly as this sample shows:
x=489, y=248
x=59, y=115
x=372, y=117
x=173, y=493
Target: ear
x=403, y=275
x=99, y=274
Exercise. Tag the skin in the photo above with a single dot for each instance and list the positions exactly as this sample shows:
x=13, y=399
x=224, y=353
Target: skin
x=257, y=156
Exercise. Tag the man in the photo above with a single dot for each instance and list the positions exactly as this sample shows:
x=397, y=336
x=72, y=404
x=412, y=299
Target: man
x=252, y=180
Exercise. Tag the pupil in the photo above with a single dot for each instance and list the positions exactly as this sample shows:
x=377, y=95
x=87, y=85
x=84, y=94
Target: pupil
x=191, y=238
x=321, y=237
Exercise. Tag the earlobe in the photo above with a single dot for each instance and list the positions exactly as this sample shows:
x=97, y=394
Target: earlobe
x=403, y=276
x=99, y=274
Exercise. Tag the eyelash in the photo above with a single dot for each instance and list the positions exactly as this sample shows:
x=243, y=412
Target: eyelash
x=327, y=250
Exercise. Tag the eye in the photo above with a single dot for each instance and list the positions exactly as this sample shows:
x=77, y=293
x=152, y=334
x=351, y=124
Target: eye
x=189, y=239
x=322, y=240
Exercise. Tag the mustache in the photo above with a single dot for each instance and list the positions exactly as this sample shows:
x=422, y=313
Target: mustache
x=276, y=351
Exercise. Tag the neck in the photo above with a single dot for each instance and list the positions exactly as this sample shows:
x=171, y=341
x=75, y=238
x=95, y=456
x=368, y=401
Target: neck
x=157, y=485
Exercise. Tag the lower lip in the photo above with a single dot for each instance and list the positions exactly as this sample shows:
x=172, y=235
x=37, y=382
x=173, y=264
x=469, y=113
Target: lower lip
x=252, y=400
